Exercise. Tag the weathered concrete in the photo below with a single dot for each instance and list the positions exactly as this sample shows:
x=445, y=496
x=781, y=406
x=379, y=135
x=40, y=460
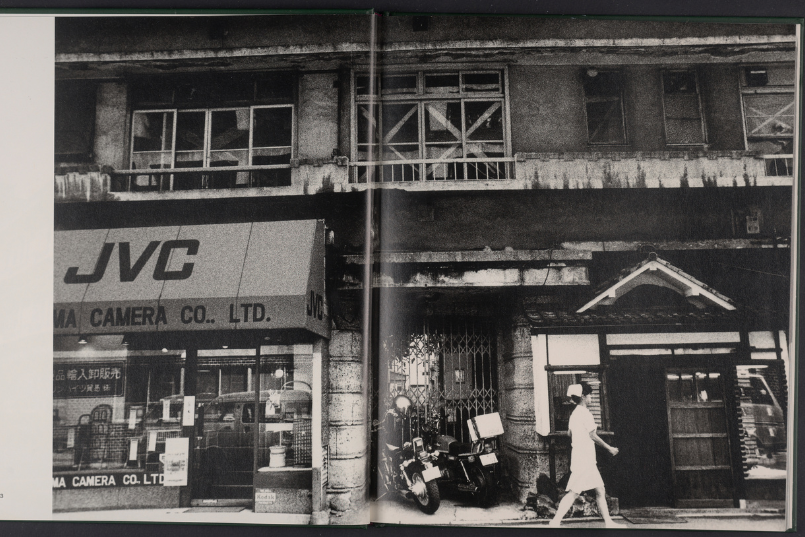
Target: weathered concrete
x=523, y=450
x=111, y=123
x=348, y=431
x=657, y=169
x=318, y=115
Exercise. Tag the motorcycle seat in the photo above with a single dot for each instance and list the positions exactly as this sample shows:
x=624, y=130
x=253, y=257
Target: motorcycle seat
x=460, y=448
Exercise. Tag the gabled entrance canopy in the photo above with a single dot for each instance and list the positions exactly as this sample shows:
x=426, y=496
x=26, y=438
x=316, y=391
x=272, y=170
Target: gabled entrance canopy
x=656, y=271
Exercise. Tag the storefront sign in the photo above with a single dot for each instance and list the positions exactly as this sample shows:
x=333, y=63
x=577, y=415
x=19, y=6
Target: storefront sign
x=118, y=479
x=87, y=380
x=176, y=459
x=261, y=275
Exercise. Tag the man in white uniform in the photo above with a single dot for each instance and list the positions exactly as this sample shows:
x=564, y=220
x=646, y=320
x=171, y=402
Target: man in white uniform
x=584, y=474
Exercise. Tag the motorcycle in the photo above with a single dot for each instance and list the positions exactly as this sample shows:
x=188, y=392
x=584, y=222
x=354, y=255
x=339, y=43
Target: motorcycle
x=470, y=467
x=407, y=470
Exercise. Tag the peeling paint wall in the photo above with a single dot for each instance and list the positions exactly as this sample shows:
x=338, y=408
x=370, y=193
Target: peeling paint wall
x=653, y=170
x=90, y=186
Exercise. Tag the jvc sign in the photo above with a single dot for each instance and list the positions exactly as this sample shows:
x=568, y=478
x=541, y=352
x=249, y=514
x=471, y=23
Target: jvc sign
x=248, y=276
x=129, y=271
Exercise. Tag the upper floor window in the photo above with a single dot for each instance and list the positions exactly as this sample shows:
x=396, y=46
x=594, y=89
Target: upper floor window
x=431, y=126
x=243, y=124
x=682, y=107
x=767, y=93
x=603, y=98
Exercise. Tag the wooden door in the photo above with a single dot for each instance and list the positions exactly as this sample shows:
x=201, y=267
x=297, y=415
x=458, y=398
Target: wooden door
x=699, y=437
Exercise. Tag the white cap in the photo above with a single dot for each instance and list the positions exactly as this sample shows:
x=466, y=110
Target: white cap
x=574, y=389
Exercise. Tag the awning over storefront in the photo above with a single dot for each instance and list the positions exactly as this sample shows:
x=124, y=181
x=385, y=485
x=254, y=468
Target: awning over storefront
x=250, y=276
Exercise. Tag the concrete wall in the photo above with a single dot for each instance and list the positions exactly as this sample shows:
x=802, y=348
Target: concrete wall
x=115, y=498
x=317, y=127
x=156, y=34
x=348, y=428
x=111, y=125
x=547, y=109
x=537, y=219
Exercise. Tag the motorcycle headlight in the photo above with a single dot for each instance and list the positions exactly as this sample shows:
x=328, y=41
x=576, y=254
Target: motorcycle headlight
x=471, y=458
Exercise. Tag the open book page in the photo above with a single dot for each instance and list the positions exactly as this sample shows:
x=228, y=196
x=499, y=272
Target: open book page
x=208, y=252
x=599, y=210
x=334, y=269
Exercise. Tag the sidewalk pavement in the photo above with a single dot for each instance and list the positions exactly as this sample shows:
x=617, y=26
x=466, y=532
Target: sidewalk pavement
x=456, y=513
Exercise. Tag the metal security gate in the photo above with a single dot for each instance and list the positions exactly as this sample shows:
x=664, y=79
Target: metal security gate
x=447, y=367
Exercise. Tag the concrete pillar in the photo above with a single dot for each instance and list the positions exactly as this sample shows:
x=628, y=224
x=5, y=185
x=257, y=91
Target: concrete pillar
x=525, y=453
x=349, y=441
x=111, y=121
x=318, y=115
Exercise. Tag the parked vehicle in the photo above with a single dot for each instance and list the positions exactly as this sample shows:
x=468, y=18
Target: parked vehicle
x=407, y=469
x=470, y=467
x=762, y=415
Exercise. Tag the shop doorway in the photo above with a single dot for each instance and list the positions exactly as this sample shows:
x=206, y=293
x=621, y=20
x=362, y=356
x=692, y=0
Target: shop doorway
x=671, y=427
x=641, y=473
x=699, y=436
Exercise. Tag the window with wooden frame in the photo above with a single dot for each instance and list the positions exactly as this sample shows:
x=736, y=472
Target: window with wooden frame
x=245, y=125
x=769, y=110
x=603, y=98
x=562, y=406
x=682, y=108
x=431, y=126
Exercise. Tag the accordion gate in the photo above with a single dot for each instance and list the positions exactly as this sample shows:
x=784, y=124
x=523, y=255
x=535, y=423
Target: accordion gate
x=447, y=368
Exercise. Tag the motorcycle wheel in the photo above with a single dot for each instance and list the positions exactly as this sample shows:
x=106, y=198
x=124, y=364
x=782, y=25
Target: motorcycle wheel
x=428, y=502
x=486, y=494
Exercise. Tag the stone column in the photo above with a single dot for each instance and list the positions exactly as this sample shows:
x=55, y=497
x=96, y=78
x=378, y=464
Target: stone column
x=524, y=451
x=349, y=441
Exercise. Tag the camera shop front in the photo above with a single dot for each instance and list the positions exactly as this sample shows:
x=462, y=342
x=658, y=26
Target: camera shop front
x=692, y=393
x=188, y=367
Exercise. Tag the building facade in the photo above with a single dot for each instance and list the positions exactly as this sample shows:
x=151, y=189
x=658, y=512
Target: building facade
x=551, y=201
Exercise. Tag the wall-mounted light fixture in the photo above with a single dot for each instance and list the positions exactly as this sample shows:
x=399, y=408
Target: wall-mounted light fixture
x=82, y=340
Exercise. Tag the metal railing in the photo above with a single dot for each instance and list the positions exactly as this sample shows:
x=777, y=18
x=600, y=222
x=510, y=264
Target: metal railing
x=469, y=169
x=173, y=179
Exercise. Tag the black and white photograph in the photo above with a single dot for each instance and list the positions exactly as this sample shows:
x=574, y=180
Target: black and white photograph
x=356, y=269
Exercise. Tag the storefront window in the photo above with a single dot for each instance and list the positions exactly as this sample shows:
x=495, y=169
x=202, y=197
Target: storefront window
x=761, y=409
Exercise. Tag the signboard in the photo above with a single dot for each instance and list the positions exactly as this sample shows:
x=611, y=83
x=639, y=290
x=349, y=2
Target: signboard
x=176, y=458
x=88, y=380
x=107, y=479
x=260, y=275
